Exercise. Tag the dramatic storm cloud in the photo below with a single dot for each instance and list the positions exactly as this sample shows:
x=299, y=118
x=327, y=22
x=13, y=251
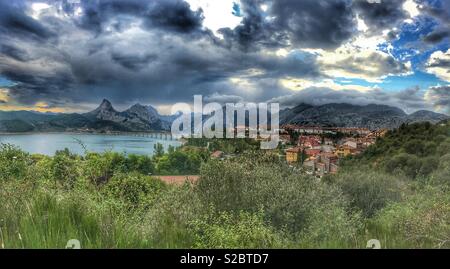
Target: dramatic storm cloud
x=67, y=55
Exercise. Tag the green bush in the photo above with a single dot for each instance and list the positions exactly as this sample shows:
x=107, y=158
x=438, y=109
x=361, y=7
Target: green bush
x=137, y=163
x=368, y=190
x=227, y=231
x=65, y=168
x=14, y=163
x=134, y=189
x=442, y=174
x=100, y=168
x=290, y=202
x=421, y=221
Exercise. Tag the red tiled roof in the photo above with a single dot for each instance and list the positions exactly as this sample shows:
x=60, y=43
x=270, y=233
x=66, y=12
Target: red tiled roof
x=312, y=152
x=294, y=150
x=217, y=154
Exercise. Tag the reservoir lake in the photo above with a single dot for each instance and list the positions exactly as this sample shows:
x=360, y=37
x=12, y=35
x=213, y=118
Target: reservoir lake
x=49, y=143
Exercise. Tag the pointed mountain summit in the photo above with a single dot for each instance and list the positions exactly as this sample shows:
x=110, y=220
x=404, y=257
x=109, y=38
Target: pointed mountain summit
x=103, y=107
x=106, y=112
x=106, y=104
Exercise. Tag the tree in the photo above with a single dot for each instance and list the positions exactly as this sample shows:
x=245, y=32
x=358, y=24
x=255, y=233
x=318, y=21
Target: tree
x=158, y=150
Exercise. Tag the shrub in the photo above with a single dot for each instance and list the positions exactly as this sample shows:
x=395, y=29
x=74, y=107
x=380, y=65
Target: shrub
x=289, y=201
x=166, y=224
x=137, y=163
x=134, y=190
x=14, y=163
x=421, y=221
x=406, y=163
x=368, y=190
x=227, y=231
x=442, y=174
x=65, y=168
x=100, y=168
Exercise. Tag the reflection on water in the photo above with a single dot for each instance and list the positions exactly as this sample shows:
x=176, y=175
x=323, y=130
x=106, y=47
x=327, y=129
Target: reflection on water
x=48, y=144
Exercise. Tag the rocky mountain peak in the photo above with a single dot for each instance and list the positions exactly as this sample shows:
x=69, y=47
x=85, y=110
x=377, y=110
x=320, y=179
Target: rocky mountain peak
x=106, y=105
x=146, y=113
x=105, y=112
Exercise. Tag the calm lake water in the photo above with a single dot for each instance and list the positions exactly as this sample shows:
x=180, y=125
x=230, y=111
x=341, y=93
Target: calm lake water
x=48, y=144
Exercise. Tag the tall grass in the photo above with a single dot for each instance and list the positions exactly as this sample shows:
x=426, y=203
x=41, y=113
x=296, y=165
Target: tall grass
x=35, y=219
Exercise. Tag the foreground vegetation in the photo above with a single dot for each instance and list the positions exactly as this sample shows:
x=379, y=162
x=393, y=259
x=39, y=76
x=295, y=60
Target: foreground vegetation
x=251, y=201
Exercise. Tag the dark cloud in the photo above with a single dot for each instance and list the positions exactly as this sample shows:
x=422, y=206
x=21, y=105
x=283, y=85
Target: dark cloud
x=442, y=63
x=14, y=52
x=175, y=15
x=437, y=35
x=295, y=22
x=315, y=24
x=14, y=22
x=31, y=88
x=381, y=14
x=171, y=15
x=410, y=99
x=133, y=62
x=439, y=9
x=255, y=31
x=223, y=99
x=440, y=97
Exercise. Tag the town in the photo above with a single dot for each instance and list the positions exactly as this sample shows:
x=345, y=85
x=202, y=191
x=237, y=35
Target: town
x=318, y=150
x=314, y=150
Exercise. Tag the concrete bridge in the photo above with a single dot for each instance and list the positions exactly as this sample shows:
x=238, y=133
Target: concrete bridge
x=154, y=135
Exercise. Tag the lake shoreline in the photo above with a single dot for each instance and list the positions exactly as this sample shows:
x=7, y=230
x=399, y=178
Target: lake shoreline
x=50, y=142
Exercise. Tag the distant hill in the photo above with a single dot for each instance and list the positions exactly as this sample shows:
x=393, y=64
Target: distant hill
x=104, y=118
x=425, y=115
x=146, y=118
x=347, y=115
x=17, y=126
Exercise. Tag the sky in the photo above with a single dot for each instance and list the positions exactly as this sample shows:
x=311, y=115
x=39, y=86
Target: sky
x=68, y=55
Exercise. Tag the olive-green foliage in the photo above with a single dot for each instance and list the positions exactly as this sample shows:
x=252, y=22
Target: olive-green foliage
x=185, y=161
x=134, y=189
x=100, y=168
x=65, y=169
x=413, y=150
x=14, y=163
x=290, y=202
x=158, y=150
x=368, y=190
x=138, y=163
x=229, y=231
x=167, y=223
x=442, y=174
x=421, y=221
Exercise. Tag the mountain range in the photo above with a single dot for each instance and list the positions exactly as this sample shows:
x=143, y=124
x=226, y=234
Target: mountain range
x=105, y=118
x=140, y=118
x=347, y=115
